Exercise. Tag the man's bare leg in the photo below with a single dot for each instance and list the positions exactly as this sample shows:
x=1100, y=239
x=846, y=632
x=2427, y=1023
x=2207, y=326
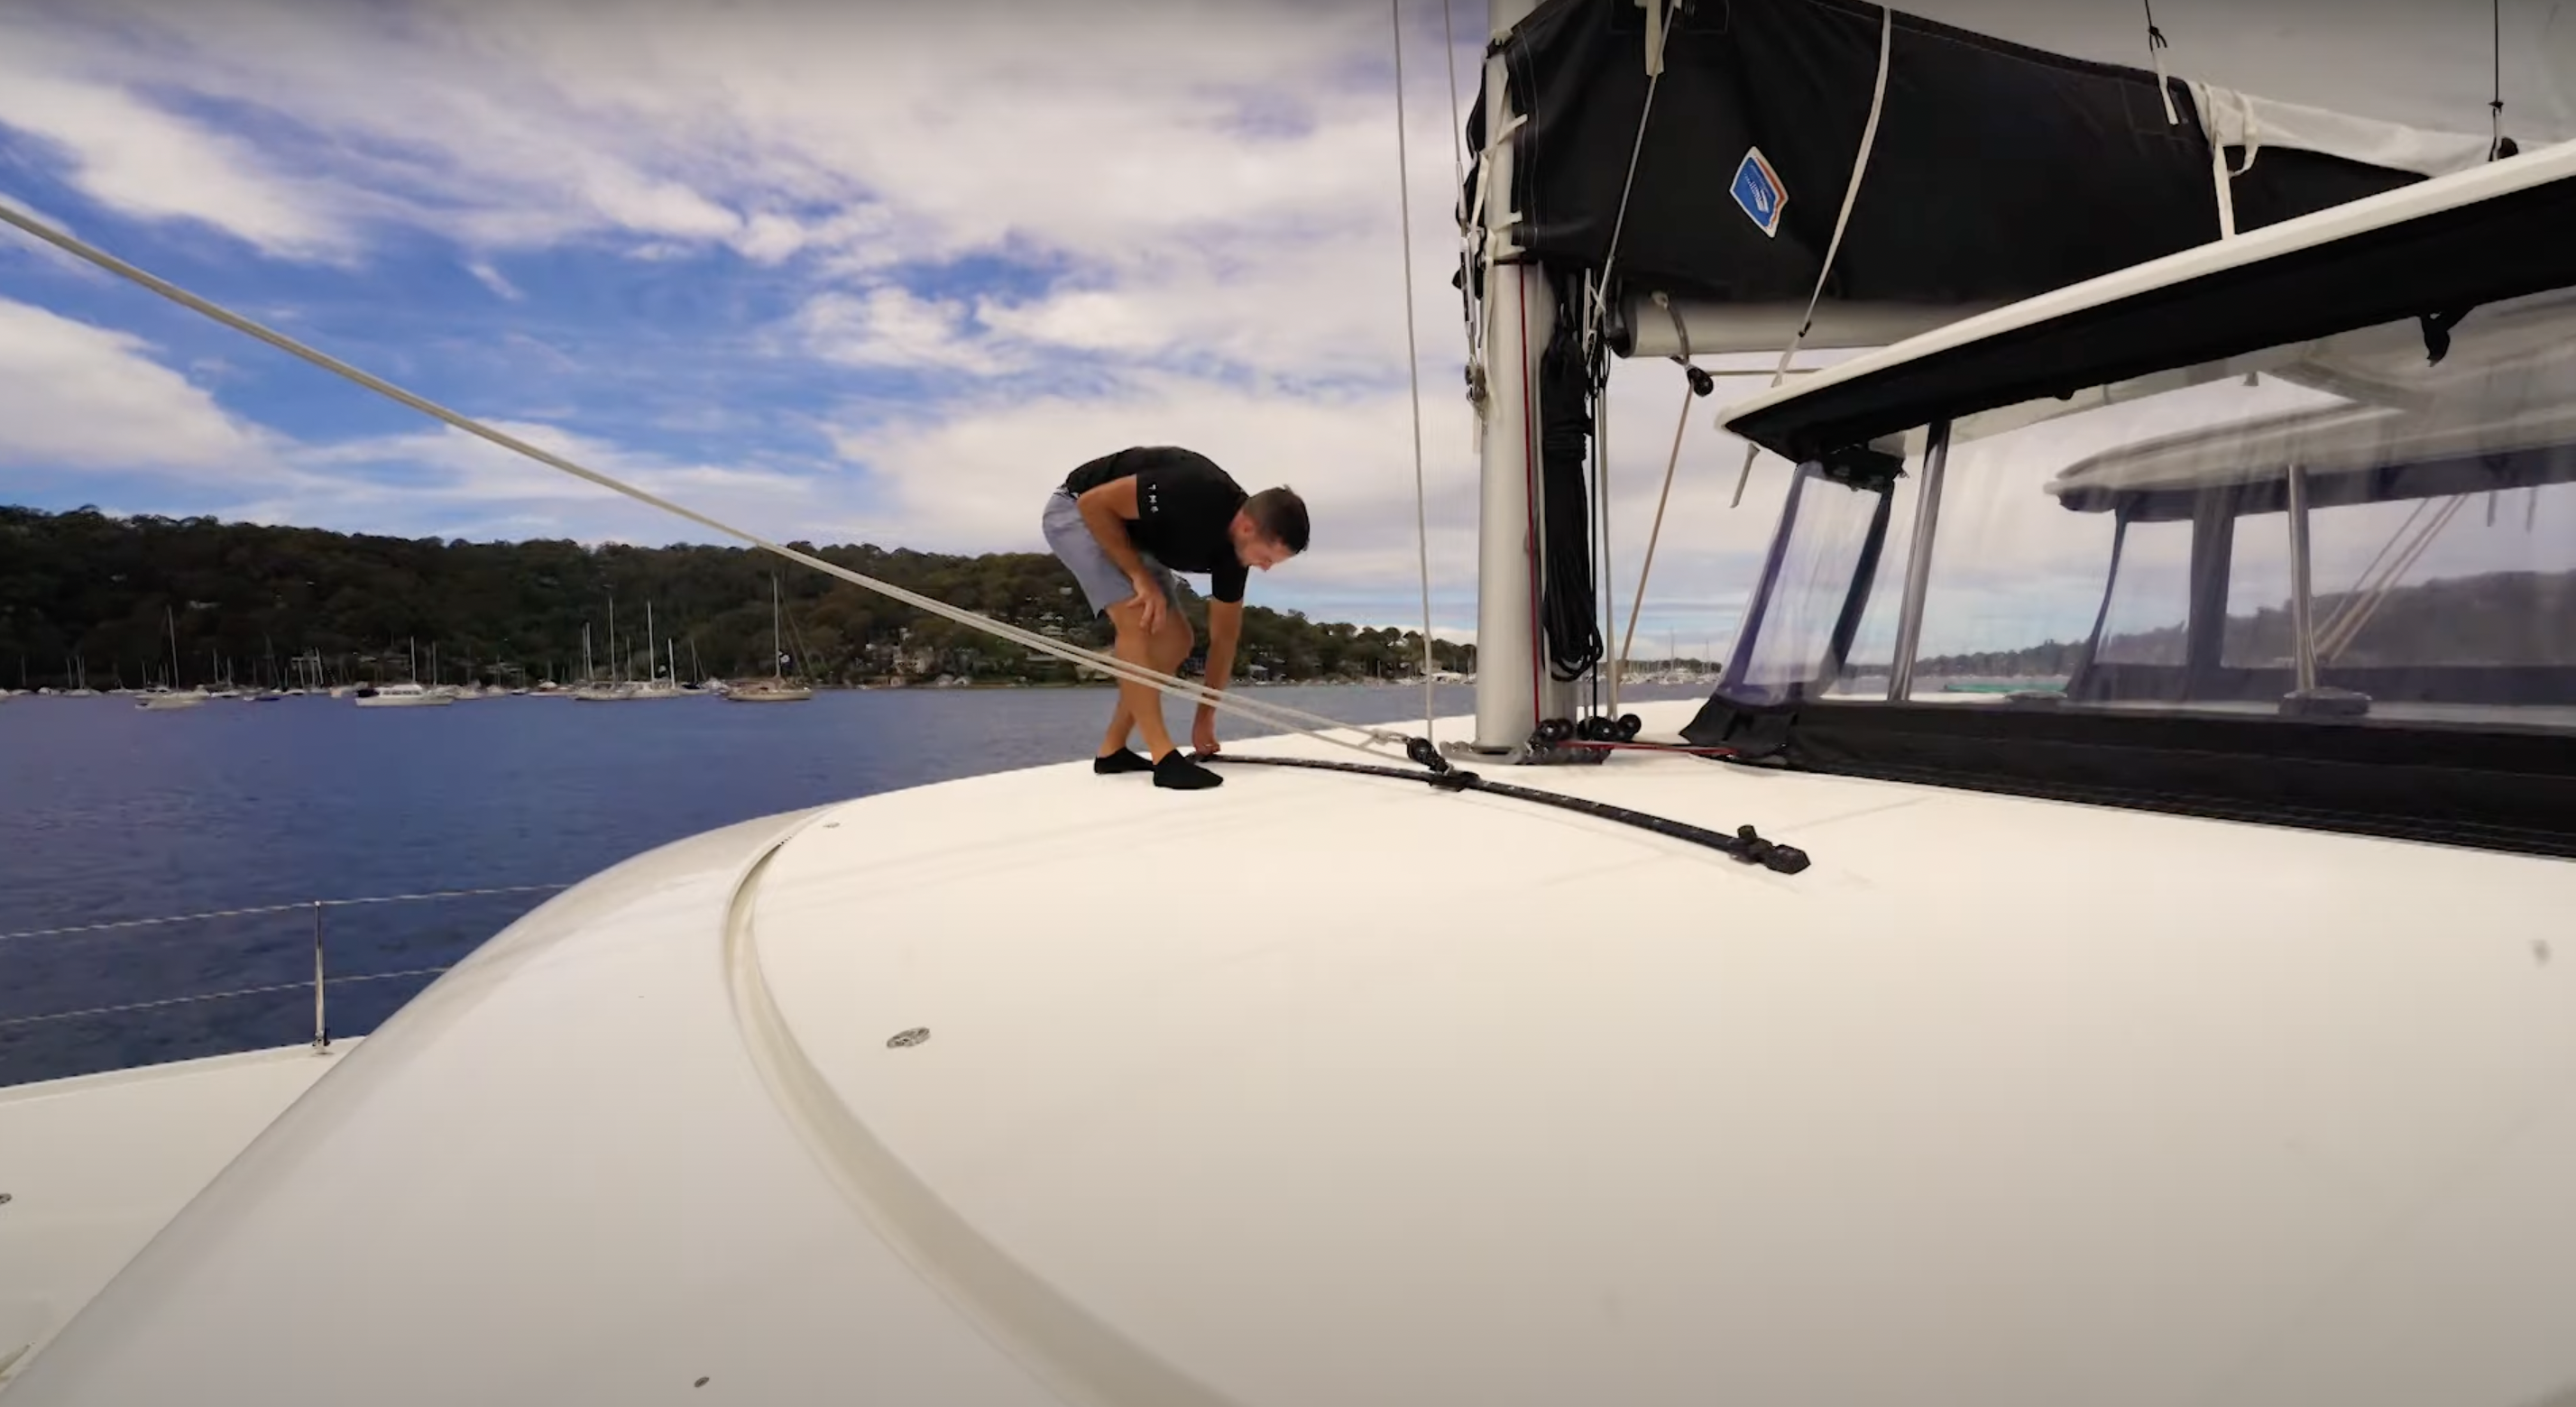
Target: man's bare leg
x=1162, y=652
x=1169, y=648
x=1140, y=704
x=1172, y=643
x=1122, y=725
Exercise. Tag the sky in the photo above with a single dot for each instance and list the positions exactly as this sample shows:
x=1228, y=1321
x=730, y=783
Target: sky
x=878, y=272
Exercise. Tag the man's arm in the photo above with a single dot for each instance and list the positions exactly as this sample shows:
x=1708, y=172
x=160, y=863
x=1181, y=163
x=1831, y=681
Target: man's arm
x=1225, y=626
x=1107, y=510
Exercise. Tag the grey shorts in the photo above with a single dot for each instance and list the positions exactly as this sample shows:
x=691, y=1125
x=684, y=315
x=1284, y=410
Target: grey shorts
x=1103, y=585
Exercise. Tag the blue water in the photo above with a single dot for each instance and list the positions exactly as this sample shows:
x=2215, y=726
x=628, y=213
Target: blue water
x=109, y=813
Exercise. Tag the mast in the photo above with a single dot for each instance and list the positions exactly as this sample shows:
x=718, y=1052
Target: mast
x=173, y=622
x=617, y=668
x=1516, y=299
x=652, y=664
x=777, y=668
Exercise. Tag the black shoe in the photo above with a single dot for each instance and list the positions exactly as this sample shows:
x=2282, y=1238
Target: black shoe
x=1174, y=769
x=1123, y=760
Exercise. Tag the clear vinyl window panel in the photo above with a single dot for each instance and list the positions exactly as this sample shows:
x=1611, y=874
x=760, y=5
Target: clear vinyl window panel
x=1786, y=648
x=2459, y=581
x=2130, y=545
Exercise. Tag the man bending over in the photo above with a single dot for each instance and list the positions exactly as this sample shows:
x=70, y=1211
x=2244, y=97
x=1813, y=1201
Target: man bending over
x=1124, y=523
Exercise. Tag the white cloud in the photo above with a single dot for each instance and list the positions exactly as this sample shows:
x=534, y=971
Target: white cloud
x=888, y=327
x=491, y=278
x=446, y=481
x=77, y=396
x=131, y=155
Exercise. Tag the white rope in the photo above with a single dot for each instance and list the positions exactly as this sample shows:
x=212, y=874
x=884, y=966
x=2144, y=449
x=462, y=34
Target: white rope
x=1276, y=715
x=1478, y=252
x=1413, y=370
x=1851, y=193
x=1648, y=566
x=2217, y=105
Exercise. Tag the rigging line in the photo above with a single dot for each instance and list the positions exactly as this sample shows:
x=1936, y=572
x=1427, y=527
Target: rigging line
x=1745, y=845
x=1413, y=371
x=2495, y=104
x=2369, y=573
x=1458, y=201
x=1276, y=715
x=1648, y=566
x=1596, y=307
x=1315, y=725
x=1851, y=193
x=2357, y=604
x=1601, y=493
x=2432, y=529
x=2156, y=47
x=1457, y=137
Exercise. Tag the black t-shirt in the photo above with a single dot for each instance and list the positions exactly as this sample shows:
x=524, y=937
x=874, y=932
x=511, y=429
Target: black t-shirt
x=1184, y=506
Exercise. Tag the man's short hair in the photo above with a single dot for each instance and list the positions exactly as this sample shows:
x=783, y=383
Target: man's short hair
x=1280, y=514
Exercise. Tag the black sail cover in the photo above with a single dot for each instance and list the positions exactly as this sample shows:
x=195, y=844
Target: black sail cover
x=1998, y=172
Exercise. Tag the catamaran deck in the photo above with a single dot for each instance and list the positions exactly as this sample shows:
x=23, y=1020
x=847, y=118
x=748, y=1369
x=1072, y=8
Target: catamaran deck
x=1323, y=1087
x=94, y=1165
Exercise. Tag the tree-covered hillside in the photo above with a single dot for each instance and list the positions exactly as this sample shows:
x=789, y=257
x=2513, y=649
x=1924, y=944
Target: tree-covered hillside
x=83, y=592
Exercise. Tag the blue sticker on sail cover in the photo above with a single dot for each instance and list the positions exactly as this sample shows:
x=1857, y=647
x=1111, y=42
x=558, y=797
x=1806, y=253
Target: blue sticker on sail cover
x=1757, y=189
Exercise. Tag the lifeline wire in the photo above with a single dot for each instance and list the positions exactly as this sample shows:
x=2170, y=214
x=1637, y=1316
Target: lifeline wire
x=1276, y=715
x=1413, y=369
x=17, y=1021
x=301, y=907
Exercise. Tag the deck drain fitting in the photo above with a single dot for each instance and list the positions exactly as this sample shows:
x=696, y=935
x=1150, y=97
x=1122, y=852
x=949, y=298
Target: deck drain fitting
x=902, y=1039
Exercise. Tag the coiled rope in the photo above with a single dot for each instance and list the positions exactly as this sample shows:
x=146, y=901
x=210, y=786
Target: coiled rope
x=1280, y=716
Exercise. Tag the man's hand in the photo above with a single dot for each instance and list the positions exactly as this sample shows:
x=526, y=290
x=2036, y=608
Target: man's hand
x=1203, y=731
x=1149, y=593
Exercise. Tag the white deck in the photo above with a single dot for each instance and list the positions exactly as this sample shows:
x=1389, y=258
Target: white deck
x=94, y=1165
x=1322, y=1088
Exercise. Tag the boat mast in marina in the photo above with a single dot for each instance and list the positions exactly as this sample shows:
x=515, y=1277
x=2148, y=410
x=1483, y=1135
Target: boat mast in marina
x=777, y=690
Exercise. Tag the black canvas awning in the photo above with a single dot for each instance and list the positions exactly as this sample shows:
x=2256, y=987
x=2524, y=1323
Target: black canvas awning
x=1998, y=171
x=2502, y=238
